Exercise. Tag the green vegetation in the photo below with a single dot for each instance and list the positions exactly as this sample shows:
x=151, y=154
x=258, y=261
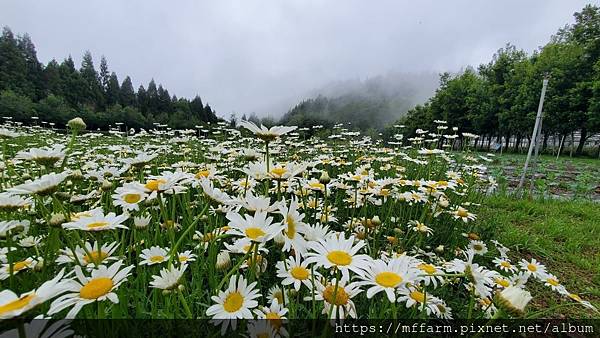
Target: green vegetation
x=563, y=234
x=55, y=92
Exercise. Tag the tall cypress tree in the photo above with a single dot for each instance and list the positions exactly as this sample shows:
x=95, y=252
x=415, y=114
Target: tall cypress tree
x=164, y=100
x=73, y=86
x=104, y=75
x=93, y=87
x=142, y=99
x=127, y=95
x=34, y=83
x=13, y=66
x=112, y=90
x=52, y=78
x=152, y=97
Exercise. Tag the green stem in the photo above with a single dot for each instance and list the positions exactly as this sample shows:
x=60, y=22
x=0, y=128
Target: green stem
x=184, y=303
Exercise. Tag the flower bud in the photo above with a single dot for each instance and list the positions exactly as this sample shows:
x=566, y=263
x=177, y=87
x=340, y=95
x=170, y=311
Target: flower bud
x=57, y=219
x=376, y=221
x=513, y=300
x=324, y=179
x=38, y=264
x=106, y=185
x=223, y=260
x=76, y=175
x=141, y=222
x=76, y=124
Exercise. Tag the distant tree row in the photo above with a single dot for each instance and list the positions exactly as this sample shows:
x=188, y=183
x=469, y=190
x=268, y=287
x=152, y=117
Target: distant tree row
x=500, y=99
x=56, y=92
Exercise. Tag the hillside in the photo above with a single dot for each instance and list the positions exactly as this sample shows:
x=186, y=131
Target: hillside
x=369, y=103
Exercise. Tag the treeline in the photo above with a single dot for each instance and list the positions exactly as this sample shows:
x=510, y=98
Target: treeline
x=56, y=92
x=499, y=100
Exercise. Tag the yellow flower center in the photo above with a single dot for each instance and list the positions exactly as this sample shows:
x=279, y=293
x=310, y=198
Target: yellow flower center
x=341, y=296
x=202, y=173
x=339, y=257
x=279, y=171
x=462, y=212
x=291, y=227
x=317, y=185
x=96, y=288
x=531, y=267
x=552, y=282
x=254, y=233
x=299, y=272
x=132, y=198
x=503, y=282
x=505, y=264
x=94, y=225
x=18, y=266
x=154, y=184
x=183, y=258
x=157, y=259
x=388, y=279
x=95, y=257
x=274, y=319
x=478, y=247
x=272, y=315
x=418, y=296
x=16, y=304
x=233, y=302
x=427, y=268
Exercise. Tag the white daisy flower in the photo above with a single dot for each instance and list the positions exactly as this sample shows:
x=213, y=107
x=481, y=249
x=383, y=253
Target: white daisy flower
x=16, y=267
x=45, y=185
x=90, y=255
x=534, y=268
x=85, y=290
x=336, y=300
x=236, y=302
x=129, y=196
x=504, y=264
x=478, y=247
x=258, y=227
x=12, y=305
x=389, y=277
x=294, y=227
x=97, y=221
x=169, y=277
x=154, y=255
x=186, y=256
x=338, y=252
x=264, y=133
x=295, y=271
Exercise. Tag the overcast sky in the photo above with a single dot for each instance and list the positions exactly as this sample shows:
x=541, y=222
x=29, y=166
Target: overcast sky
x=245, y=55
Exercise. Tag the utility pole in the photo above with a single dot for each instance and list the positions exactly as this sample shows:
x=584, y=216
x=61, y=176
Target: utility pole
x=536, y=131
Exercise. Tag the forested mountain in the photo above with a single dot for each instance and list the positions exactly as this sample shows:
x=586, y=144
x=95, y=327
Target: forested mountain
x=372, y=103
x=500, y=98
x=56, y=92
